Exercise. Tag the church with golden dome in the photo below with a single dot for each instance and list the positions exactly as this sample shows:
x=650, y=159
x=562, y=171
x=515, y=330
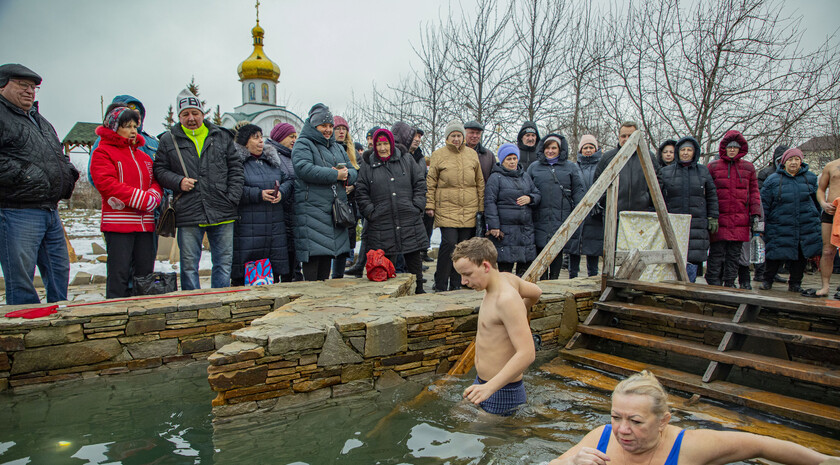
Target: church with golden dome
x=259, y=76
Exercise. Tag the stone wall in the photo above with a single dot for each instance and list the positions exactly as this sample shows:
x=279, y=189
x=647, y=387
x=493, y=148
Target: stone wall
x=117, y=337
x=311, y=350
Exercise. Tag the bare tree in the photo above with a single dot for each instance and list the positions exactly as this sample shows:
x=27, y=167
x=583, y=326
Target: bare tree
x=538, y=28
x=480, y=59
x=719, y=65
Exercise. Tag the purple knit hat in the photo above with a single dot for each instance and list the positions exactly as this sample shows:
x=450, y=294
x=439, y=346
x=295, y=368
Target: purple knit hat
x=339, y=121
x=282, y=131
x=790, y=153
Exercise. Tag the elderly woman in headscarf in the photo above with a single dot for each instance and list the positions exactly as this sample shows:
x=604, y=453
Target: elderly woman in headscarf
x=455, y=195
x=322, y=170
x=260, y=231
x=391, y=193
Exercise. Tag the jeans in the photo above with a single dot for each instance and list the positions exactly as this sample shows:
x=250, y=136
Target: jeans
x=221, y=253
x=691, y=270
x=30, y=237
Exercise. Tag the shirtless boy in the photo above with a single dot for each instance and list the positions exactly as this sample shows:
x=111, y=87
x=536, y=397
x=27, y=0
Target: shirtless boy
x=503, y=344
x=829, y=180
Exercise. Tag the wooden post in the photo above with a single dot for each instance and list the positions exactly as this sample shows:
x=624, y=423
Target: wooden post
x=610, y=229
x=581, y=211
x=661, y=210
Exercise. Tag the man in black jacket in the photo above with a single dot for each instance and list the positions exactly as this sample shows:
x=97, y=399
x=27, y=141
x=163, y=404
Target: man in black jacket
x=473, y=140
x=633, y=193
x=207, y=193
x=526, y=140
x=34, y=175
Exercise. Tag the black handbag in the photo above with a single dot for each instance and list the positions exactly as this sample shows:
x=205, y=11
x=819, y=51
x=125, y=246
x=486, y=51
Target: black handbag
x=155, y=283
x=343, y=216
x=166, y=222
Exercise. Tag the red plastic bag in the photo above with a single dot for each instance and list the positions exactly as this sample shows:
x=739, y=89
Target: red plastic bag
x=378, y=267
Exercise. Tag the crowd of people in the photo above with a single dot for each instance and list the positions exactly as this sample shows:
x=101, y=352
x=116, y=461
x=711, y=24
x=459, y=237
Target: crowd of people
x=273, y=197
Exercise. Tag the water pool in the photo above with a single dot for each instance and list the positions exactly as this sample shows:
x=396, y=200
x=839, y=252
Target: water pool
x=163, y=417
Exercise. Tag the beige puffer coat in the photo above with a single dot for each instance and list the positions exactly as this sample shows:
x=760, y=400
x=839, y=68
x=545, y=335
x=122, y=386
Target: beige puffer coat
x=455, y=187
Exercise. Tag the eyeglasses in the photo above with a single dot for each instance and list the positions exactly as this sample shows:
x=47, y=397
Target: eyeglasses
x=26, y=85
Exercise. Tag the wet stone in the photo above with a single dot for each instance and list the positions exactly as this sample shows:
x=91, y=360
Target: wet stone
x=68, y=355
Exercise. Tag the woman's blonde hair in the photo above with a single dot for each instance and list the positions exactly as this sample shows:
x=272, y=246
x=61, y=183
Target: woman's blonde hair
x=351, y=150
x=645, y=384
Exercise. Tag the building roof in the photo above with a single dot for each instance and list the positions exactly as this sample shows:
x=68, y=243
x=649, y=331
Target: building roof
x=81, y=134
x=821, y=144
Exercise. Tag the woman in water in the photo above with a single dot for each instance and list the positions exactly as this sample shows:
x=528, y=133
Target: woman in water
x=639, y=433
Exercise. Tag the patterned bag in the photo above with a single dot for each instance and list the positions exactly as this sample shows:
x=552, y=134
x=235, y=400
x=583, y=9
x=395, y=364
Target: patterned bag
x=258, y=272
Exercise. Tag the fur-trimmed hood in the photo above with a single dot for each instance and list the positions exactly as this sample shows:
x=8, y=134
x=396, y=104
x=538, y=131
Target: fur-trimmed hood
x=269, y=154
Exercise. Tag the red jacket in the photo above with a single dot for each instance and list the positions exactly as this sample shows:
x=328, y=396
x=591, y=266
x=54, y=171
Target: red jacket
x=737, y=191
x=123, y=175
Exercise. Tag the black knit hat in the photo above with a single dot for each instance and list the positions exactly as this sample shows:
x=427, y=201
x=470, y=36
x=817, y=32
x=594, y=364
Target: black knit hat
x=243, y=135
x=15, y=70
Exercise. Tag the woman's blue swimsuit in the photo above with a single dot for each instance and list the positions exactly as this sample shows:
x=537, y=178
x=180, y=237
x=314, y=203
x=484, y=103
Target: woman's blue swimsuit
x=672, y=459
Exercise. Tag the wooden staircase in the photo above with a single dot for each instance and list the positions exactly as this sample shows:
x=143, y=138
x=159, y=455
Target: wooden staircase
x=675, y=330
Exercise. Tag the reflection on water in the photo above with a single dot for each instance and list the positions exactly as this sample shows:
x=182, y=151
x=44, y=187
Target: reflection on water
x=163, y=417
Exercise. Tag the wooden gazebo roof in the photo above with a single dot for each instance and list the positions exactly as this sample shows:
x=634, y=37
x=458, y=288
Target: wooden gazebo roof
x=82, y=136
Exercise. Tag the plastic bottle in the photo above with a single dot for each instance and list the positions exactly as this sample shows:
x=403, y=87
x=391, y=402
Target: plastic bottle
x=756, y=249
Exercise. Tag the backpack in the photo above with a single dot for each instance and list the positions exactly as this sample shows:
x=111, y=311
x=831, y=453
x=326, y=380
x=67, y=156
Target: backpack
x=378, y=267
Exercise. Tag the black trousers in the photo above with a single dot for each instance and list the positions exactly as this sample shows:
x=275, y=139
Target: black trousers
x=413, y=264
x=317, y=268
x=553, y=271
x=520, y=267
x=446, y=278
x=591, y=265
x=429, y=224
x=127, y=252
x=722, y=265
x=796, y=267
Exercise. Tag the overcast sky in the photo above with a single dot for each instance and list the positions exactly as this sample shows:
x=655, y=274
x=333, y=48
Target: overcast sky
x=326, y=49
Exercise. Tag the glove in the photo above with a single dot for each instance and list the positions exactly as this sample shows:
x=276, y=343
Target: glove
x=713, y=225
x=754, y=226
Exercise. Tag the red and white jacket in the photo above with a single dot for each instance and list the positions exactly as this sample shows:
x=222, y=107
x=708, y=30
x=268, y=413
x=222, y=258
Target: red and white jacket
x=123, y=175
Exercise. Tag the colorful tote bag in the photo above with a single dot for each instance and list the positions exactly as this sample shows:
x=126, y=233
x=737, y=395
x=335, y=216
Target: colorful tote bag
x=258, y=272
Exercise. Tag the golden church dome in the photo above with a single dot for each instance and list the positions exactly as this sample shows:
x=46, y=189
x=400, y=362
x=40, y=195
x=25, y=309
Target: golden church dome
x=258, y=66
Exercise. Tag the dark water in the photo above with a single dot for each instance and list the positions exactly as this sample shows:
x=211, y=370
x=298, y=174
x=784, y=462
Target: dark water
x=163, y=417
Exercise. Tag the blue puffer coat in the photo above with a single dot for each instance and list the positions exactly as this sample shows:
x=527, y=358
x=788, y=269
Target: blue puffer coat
x=690, y=190
x=501, y=212
x=589, y=238
x=261, y=230
x=561, y=187
x=316, y=185
x=791, y=218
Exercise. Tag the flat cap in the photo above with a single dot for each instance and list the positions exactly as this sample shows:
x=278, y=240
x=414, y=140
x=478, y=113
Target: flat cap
x=16, y=70
x=473, y=125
